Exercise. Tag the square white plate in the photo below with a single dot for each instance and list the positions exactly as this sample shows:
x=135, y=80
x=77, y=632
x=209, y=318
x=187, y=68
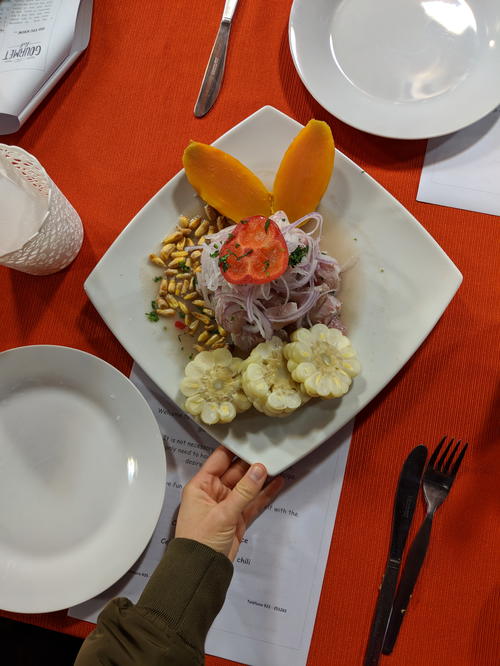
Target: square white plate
x=393, y=296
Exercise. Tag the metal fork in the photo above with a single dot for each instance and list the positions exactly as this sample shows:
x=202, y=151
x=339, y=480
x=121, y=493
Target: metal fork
x=437, y=481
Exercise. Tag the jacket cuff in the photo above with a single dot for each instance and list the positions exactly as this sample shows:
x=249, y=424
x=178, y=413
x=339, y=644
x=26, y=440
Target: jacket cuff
x=188, y=588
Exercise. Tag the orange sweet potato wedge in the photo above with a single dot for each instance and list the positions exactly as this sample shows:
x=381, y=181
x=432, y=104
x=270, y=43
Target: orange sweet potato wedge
x=305, y=171
x=225, y=183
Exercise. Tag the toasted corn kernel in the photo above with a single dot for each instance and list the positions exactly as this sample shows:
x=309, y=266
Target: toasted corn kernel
x=161, y=303
x=166, y=249
x=155, y=259
x=191, y=295
x=212, y=340
x=178, y=288
x=194, y=325
x=212, y=229
x=202, y=240
x=183, y=221
x=199, y=348
x=202, y=318
x=175, y=262
x=199, y=303
x=170, y=272
x=222, y=331
x=189, y=242
x=220, y=223
x=181, y=244
x=166, y=312
x=171, y=287
x=203, y=336
x=202, y=229
x=195, y=254
x=163, y=287
x=173, y=302
x=187, y=319
x=183, y=307
x=208, y=311
x=210, y=212
x=172, y=238
x=185, y=287
x=195, y=222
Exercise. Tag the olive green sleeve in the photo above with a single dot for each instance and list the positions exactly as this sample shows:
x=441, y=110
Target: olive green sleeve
x=170, y=622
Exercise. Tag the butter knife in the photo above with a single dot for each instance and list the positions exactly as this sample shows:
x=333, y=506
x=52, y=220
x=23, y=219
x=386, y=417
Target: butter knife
x=214, y=73
x=404, y=508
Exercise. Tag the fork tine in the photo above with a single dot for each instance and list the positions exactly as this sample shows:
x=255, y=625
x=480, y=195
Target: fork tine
x=443, y=457
x=432, y=459
x=450, y=457
x=459, y=460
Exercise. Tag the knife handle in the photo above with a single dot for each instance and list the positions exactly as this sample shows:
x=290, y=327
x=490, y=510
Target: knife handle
x=414, y=561
x=382, y=612
x=214, y=72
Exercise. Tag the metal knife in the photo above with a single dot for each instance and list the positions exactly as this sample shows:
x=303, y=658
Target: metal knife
x=214, y=72
x=404, y=507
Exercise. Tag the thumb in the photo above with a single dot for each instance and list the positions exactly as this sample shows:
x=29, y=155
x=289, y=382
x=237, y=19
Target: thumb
x=246, y=490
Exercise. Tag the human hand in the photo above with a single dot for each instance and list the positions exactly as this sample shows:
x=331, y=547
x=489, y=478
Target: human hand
x=222, y=500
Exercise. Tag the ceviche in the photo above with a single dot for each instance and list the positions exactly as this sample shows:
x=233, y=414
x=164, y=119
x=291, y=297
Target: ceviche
x=258, y=297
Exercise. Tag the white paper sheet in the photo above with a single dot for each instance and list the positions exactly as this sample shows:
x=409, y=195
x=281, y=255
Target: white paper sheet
x=39, y=40
x=462, y=170
x=270, y=609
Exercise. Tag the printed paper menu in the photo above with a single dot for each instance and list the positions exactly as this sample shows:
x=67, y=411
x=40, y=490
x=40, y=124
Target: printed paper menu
x=270, y=609
x=39, y=40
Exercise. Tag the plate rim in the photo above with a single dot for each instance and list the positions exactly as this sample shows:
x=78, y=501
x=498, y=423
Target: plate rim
x=153, y=512
x=407, y=136
x=93, y=293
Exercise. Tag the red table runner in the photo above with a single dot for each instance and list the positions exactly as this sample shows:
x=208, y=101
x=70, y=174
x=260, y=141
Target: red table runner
x=112, y=133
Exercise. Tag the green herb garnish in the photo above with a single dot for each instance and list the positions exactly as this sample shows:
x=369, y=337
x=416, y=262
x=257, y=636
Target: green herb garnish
x=297, y=255
x=266, y=225
x=183, y=268
x=157, y=278
x=215, y=254
x=152, y=316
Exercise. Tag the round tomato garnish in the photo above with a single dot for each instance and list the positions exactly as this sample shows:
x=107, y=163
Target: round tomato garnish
x=255, y=252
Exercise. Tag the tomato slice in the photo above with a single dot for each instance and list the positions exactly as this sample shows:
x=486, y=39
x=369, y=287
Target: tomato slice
x=255, y=252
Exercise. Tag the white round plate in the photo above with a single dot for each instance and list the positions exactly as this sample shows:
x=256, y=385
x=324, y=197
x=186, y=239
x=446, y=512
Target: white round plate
x=405, y=69
x=82, y=477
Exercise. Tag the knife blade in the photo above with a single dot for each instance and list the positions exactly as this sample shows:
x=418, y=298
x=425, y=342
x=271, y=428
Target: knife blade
x=214, y=73
x=404, y=508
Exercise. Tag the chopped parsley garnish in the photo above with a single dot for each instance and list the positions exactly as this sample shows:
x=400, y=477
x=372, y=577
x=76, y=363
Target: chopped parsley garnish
x=183, y=268
x=237, y=245
x=230, y=237
x=157, y=278
x=215, y=254
x=266, y=264
x=154, y=305
x=297, y=255
x=152, y=316
x=266, y=225
x=223, y=261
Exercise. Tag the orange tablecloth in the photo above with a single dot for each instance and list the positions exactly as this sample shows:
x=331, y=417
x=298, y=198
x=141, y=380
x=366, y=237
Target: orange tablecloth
x=112, y=133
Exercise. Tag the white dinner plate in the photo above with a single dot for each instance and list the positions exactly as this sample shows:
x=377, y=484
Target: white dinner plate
x=397, y=290
x=82, y=477
x=406, y=69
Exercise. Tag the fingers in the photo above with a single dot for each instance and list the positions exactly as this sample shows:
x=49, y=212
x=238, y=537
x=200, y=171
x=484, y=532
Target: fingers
x=237, y=470
x=263, y=499
x=218, y=462
x=246, y=490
